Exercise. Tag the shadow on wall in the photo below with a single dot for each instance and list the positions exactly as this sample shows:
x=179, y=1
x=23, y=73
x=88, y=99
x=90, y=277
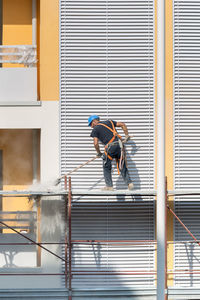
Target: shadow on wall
x=109, y=265
x=15, y=256
x=133, y=172
x=51, y=228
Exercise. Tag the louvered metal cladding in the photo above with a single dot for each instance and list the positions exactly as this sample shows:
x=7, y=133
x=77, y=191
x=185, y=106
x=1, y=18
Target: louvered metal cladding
x=34, y=294
x=187, y=254
x=111, y=221
x=107, y=68
x=187, y=128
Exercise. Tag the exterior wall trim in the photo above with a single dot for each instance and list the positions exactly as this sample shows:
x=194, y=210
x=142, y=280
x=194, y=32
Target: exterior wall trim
x=31, y=103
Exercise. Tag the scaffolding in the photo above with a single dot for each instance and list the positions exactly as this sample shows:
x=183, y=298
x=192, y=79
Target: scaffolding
x=68, y=194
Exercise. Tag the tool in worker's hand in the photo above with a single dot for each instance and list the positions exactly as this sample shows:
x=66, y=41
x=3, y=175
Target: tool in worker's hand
x=127, y=138
x=74, y=170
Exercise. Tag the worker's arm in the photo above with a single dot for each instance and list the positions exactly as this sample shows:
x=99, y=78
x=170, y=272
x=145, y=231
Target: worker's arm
x=125, y=129
x=123, y=126
x=96, y=146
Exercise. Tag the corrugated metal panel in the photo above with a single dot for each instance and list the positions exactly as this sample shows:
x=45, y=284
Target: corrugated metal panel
x=107, y=68
x=107, y=57
x=187, y=254
x=45, y=294
x=129, y=221
x=187, y=129
x=181, y=293
x=62, y=294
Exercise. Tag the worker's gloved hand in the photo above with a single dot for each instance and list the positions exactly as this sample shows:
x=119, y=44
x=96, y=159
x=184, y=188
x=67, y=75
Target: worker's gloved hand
x=127, y=138
x=99, y=154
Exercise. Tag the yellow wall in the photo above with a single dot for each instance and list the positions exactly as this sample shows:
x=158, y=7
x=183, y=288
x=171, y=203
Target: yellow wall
x=49, y=50
x=17, y=22
x=168, y=120
x=169, y=126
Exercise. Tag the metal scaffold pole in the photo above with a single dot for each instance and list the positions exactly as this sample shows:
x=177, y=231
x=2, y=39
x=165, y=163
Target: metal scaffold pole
x=69, y=238
x=66, y=235
x=166, y=198
x=161, y=150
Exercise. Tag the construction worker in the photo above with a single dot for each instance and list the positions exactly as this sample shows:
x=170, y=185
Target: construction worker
x=105, y=132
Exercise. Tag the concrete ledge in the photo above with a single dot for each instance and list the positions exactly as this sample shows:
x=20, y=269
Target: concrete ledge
x=27, y=103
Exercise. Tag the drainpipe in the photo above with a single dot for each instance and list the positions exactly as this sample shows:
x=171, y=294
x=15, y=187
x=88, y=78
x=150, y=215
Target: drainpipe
x=34, y=22
x=161, y=150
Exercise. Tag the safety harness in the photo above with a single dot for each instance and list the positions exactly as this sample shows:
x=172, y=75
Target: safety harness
x=119, y=162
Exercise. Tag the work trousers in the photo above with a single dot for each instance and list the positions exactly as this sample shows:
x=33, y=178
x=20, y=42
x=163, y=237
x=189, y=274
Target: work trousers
x=115, y=152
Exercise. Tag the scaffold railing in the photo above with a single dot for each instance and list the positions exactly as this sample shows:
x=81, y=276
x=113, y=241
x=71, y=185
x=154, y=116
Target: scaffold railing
x=67, y=193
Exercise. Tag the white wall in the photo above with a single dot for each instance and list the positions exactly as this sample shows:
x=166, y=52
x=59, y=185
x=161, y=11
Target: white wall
x=45, y=118
x=18, y=84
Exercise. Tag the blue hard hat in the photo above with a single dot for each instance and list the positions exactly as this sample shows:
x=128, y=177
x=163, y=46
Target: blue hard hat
x=91, y=118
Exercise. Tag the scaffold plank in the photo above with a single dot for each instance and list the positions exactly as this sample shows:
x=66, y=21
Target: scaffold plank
x=79, y=193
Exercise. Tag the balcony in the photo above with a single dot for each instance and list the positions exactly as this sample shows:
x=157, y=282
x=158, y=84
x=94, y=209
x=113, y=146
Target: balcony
x=18, y=74
x=25, y=55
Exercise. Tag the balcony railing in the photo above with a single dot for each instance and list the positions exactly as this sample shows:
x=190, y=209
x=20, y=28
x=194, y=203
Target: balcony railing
x=19, y=54
x=20, y=220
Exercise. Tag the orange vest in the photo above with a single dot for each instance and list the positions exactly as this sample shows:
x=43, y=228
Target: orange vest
x=115, y=133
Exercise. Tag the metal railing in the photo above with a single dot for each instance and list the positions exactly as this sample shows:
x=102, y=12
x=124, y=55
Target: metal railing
x=21, y=220
x=19, y=54
x=69, y=272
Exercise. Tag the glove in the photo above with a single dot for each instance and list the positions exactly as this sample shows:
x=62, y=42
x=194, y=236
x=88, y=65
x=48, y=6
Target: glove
x=127, y=138
x=99, y=154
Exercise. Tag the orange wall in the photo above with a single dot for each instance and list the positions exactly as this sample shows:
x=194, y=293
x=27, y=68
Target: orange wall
x=49, y=49
x=168, y=119
x=17, y=22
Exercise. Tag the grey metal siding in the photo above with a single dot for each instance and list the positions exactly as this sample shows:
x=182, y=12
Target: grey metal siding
x=187, y=253
x=107, y=68
x=34, y=294
x=113, y=222
x=187, y=132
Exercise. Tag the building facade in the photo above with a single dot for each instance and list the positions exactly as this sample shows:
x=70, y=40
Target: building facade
x=62, y=61
x=29, y=134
